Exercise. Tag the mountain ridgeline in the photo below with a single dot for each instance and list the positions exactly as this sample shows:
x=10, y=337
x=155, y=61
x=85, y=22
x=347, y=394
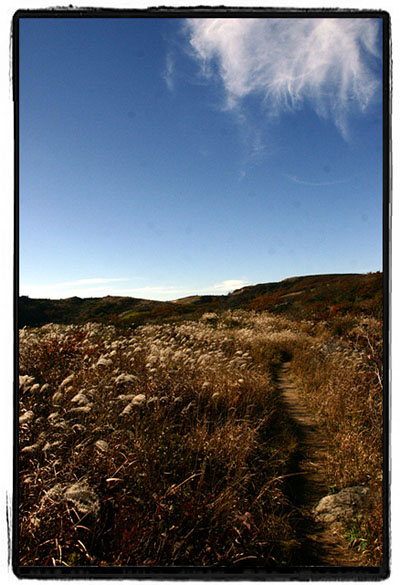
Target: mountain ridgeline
x=304, y=297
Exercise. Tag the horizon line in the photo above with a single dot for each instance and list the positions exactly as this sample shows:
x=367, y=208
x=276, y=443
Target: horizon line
x=199, y=293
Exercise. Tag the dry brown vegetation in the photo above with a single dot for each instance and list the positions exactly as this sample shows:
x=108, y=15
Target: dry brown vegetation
x=341, y=380
x=168, y=444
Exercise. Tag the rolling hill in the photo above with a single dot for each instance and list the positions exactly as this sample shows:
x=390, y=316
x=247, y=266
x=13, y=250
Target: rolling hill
x=308, y=297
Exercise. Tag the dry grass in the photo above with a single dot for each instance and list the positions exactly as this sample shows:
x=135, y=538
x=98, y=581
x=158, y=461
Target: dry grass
x=152, y=447
x=341, y=381
x=167, y=445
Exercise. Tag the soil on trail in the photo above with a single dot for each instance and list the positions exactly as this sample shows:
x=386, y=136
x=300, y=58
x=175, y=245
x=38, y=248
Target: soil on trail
x=321, y=546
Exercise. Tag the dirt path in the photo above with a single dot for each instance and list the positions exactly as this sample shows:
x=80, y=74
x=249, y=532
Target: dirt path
x=321, y=546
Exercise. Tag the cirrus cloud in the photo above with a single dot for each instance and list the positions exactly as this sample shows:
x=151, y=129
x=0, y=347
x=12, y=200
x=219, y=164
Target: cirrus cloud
x=101, y=287
x=169, y=72
x=229, y=285
x=325, y=61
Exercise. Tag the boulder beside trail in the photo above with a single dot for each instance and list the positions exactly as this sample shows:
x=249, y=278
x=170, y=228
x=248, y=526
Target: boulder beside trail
x=341, y=507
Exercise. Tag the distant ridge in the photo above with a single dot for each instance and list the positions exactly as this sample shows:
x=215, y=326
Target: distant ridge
x=309, y=297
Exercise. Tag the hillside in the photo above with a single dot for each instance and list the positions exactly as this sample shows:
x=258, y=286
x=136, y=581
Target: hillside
x=36, y=312
x=303, y=297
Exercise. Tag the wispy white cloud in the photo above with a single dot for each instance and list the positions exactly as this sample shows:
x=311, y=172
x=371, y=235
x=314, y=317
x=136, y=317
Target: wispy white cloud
x=58, y=291
x=86, y=288
x=165, y=292
x=229, y=285
x=316, y=183
x=83, y=287
x=169, y=72
x=326, y=61
x=89, y=281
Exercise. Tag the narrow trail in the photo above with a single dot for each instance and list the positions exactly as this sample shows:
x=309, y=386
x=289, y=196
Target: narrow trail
x=321, y=545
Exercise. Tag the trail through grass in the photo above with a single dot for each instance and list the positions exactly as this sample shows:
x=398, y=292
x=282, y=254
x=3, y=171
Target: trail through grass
x=167, y=445
x=308, y=483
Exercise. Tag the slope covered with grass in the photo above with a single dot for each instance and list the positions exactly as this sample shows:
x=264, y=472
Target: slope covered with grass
x=169, y=444
x=305, y=297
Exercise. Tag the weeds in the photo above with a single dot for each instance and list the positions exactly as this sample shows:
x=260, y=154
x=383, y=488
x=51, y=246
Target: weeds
x=341, y=381
x=167, y=445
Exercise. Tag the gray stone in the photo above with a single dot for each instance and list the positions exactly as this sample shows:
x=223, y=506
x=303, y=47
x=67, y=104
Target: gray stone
x=341, y=507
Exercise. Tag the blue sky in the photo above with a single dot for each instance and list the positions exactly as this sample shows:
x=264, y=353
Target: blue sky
x=163, y=157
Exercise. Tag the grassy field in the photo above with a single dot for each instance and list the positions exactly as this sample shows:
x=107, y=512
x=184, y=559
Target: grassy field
x=169, y=445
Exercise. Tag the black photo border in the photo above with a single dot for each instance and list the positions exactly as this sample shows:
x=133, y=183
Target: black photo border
x=193, y=573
